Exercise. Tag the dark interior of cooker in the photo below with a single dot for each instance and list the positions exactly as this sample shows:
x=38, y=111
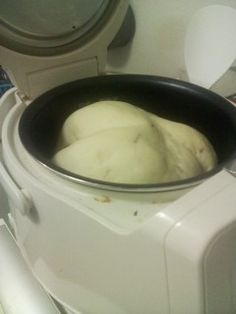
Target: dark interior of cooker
x=211, y=114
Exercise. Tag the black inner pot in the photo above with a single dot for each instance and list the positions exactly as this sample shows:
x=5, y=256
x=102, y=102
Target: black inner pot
x=179, y=101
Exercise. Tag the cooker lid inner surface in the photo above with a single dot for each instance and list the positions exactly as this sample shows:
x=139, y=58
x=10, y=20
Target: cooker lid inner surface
x=38, y=27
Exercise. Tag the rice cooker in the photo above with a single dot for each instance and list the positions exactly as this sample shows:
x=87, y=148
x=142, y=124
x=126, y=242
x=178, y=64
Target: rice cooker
x=97, y=247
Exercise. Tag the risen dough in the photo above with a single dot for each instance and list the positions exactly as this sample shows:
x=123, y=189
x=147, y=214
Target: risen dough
x=117, y=142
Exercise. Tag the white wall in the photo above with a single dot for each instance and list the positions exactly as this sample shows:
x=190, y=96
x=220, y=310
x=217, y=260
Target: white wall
x=157, y=47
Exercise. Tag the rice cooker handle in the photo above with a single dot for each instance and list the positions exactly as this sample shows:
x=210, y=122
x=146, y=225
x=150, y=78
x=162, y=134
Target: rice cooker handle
x=19, y=198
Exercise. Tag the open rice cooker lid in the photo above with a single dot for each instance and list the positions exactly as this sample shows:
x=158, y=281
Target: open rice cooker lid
x=43, y=45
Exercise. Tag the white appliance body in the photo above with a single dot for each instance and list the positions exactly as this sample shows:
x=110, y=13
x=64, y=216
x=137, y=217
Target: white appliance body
x=98, y=251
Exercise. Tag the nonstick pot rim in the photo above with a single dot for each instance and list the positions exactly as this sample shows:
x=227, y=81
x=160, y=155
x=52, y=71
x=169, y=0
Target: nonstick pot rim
x=98, y=184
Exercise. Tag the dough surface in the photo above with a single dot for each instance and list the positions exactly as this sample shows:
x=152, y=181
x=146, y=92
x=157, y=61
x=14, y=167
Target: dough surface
x=117, y=142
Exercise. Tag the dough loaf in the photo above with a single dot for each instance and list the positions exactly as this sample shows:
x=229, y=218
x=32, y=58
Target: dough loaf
x=117, y=142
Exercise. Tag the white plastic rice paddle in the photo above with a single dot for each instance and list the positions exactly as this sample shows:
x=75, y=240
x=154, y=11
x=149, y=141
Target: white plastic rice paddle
x=210, y=44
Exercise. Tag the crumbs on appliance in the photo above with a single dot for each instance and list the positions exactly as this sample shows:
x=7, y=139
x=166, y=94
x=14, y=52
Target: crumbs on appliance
x=103, y=199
